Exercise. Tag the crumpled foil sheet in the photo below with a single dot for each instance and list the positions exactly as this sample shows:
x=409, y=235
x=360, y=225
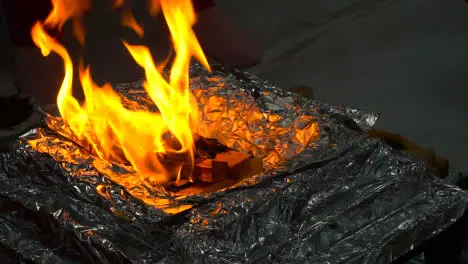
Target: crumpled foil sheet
x=345, y=198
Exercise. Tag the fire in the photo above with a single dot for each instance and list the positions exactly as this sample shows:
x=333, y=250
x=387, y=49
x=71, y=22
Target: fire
x=142, y=139
x=128, y=20
x=118, y=3
x=102, y=121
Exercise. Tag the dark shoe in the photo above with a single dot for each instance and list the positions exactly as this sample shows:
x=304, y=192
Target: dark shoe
x=18, y=115
x=305, y=91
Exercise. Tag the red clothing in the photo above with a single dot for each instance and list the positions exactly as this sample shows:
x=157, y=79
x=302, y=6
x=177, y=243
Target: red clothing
x=200, y=5
x=23, y=14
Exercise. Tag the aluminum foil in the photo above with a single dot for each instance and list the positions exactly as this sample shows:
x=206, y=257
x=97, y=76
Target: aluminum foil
x=343, y=197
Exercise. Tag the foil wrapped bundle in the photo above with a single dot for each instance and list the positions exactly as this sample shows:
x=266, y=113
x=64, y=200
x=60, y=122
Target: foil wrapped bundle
x=329, y=193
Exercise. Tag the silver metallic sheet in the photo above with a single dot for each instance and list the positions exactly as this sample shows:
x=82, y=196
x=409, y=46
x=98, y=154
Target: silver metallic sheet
x=345, y=198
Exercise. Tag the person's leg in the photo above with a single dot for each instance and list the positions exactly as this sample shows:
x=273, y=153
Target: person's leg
x=18, y=114
x=6, y=80
x=222, y=40
x=33, y=74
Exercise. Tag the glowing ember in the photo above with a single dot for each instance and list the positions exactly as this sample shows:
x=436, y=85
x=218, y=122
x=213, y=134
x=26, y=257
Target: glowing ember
x=140, y=137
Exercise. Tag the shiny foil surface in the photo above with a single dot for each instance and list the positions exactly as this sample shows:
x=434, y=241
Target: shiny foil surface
x=338, y=196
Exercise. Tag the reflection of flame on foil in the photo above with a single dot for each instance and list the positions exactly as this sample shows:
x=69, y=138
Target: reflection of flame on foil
x=115, y=132
x=237, y=122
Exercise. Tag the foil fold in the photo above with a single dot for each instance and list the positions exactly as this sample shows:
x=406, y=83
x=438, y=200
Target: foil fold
x=342, y=197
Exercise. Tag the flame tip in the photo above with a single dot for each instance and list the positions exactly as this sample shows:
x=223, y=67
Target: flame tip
x=103, y=123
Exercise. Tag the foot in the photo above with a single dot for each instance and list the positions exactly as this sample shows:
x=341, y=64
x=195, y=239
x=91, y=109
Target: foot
x=21, y=117
x=224, y=42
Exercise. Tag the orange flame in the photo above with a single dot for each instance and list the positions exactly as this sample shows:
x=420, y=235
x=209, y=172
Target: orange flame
x=128, y=20
x=117, y=133
x=141, y=138
x=154, y=7
x=118, y=3
x=78, y=30
x=63, y=10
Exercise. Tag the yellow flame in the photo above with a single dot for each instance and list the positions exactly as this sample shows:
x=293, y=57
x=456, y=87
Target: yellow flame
x=144, y=139
x=123, y=135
